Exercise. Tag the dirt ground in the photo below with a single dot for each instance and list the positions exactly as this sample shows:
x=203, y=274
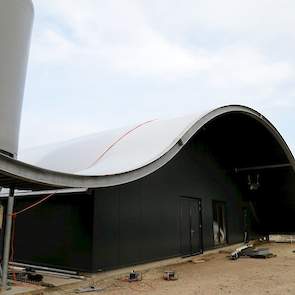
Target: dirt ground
x=217, y=275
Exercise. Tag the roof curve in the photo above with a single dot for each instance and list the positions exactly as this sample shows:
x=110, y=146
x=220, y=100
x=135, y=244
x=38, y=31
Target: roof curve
x=119, y=156
x=114, y=151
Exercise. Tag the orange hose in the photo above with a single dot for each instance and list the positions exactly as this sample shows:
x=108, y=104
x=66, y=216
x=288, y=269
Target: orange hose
x=14, y=215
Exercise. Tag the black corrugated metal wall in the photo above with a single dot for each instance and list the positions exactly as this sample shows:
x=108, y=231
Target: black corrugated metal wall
x=140, y=221
x=131, y=223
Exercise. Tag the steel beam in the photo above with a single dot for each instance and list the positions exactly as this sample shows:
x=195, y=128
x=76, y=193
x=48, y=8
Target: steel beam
x=264, y=167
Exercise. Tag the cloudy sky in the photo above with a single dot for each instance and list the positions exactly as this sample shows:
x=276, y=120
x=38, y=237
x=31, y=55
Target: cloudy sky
x=101, y=64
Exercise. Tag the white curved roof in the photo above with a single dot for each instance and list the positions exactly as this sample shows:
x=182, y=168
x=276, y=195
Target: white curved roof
x=113, y=151
x=115, y=157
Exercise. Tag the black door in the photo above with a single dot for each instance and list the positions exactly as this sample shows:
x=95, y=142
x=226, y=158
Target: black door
x=191, y=226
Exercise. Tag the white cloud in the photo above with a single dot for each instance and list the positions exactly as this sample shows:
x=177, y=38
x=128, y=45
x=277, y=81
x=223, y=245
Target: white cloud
x=119, y=34
x=105, y=63
x=131, y=48
x=237, y=16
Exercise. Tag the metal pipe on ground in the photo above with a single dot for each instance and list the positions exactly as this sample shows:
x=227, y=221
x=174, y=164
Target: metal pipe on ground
x=50, y=269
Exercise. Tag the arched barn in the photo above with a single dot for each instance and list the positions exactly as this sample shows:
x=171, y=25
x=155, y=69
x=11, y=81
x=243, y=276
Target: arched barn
x=163, y=188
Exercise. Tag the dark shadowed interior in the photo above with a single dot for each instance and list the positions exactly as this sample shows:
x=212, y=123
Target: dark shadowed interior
x=250, y=152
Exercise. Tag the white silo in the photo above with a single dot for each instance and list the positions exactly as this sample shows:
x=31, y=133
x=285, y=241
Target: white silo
x=16, y=18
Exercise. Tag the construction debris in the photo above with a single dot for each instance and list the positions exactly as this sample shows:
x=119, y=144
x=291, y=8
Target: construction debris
x=55, y=272
x=251, y=251
x=37, y=272
x=170, y=276
x=258, y=253
x=35, y=277
x=238, y=252
x=32, y=276
x=134, y=276
x=61, y=275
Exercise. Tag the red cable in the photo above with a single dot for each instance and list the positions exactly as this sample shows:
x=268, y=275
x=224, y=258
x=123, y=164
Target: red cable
x=32, y=206
x=14, y=215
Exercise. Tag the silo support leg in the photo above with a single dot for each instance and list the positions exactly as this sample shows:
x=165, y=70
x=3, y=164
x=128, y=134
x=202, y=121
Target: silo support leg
x=7, y=239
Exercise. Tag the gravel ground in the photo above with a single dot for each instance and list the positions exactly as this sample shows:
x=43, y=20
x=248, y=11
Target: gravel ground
x=215, y=275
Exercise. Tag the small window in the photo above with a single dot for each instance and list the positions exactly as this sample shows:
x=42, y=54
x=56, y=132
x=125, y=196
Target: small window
x=219, y=223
